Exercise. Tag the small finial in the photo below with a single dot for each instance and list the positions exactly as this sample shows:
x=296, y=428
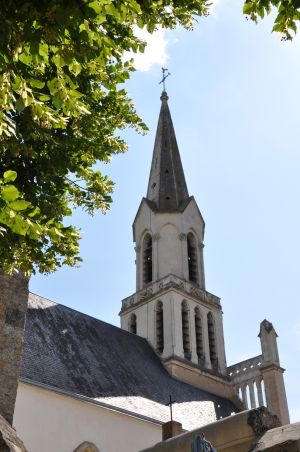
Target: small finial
x=164, y=70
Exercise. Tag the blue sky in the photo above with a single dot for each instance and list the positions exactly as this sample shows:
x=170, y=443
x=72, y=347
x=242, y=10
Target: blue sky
x=234, y=98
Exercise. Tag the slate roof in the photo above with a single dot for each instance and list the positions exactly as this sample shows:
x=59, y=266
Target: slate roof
x=66, y=349
x=167, y=187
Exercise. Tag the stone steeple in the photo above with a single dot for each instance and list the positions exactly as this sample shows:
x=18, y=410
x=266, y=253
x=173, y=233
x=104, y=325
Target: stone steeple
x=171, y=307
x=167, y=186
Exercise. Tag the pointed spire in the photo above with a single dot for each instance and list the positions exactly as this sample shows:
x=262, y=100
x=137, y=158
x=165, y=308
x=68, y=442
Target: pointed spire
x=167, y=187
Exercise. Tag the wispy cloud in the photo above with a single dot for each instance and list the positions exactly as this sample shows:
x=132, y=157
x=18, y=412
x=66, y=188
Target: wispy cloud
x=155, y=52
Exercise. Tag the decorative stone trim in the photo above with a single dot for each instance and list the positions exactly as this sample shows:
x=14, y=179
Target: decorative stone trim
x=170, y=281
x=137, y=249
x=146, y=293
x=155, y=237
x=182, y=236
x=177, y=284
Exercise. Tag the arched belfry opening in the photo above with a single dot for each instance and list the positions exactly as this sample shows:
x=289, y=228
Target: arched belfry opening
x=147, y=259
x=159, y=327
x=212, y=341
x=192, y=258
x=199, y=336
x=185, y=313
x=132, y=324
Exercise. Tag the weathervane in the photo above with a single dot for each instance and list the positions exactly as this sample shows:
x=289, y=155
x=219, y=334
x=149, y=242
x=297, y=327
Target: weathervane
x=164, y=70
x=170, y=403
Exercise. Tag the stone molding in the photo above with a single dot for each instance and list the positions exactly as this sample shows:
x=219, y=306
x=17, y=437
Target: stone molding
x=166, y=283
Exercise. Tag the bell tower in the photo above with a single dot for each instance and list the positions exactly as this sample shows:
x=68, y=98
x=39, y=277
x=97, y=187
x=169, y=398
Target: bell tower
x=171, y=307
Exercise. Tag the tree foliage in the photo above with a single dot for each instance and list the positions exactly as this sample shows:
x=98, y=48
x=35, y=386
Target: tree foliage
x=287, y=14
x=61, y=109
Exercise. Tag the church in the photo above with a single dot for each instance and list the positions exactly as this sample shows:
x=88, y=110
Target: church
x=88, y=386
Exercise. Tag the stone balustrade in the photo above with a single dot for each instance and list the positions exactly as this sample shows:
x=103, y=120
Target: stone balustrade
x=170, y=281
x=247, y=379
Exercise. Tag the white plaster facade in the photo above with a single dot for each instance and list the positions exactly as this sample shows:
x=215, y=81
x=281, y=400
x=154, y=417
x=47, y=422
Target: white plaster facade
x=49, y=421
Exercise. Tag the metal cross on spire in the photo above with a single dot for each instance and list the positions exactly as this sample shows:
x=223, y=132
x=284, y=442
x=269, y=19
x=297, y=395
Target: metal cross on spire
x=170, y=403
x=164, y=70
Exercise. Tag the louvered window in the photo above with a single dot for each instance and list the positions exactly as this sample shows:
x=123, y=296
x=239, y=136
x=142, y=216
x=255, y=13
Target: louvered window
x=192, y=258
x=132, y=324
x=159, y=327
x=199, y=336
x=147, y=259
x=185, y=330
x=212, y=340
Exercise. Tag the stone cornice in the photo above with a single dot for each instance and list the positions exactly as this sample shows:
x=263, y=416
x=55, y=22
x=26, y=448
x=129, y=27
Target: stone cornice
x=168, y=283
x=203, y=371
x=271, y=366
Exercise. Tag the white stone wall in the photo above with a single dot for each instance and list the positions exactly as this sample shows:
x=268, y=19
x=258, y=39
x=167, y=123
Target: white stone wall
x=172, y=314
x=51, y=422
x=169, y=231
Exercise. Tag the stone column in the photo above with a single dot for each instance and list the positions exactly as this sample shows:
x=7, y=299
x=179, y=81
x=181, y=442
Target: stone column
x=138, y=268
x=275, y=392
x=259, y=392
x=13, y=307
x=201, y=266
x=205, y=340
x=252, y=395
x=244, y=396
x=194, y=358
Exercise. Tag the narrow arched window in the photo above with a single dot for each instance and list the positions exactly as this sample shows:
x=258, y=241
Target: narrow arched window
x=132, y=324
x=212, y=340
x=147, y=259
x=159, y=327
x=185, y=330
x=192, y=258
x=199, y=336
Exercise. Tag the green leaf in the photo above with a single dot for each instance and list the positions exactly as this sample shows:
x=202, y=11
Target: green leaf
x=25, y=58
x=19, y=205
x=9, y=193
x=37, y=83
x=44, y=98
x=247, y=8
x=96, y=6
x=43, y=50
x=9, y=176
x=75, y=67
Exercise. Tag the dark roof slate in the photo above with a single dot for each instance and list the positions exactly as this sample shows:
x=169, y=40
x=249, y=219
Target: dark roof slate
x=77, y=353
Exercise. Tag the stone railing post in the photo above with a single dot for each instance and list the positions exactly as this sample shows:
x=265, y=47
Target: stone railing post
x=252, y=394
x=259, y=392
